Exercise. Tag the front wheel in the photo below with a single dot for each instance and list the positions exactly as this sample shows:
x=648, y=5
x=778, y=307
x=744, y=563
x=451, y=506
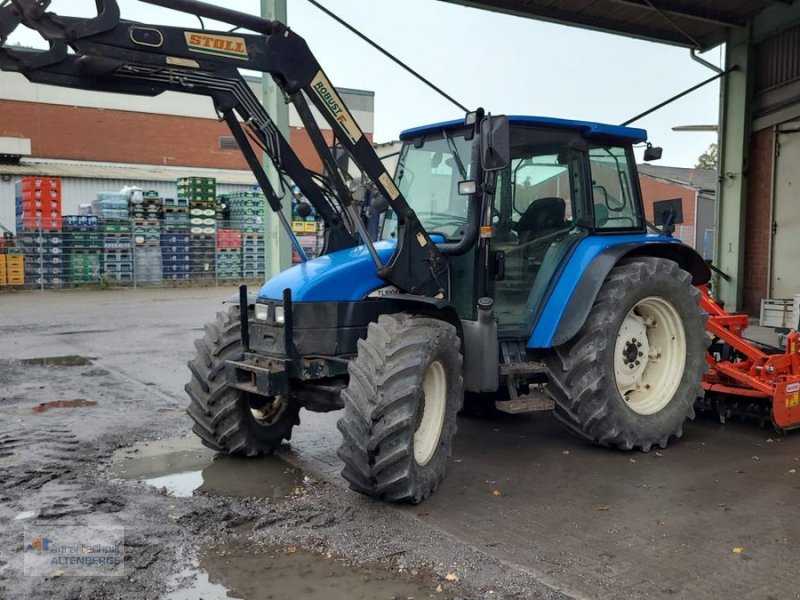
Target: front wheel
x=225, y=418
x=405, y=390
x=631, y=376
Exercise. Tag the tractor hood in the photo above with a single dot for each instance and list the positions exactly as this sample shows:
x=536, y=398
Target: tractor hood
x=343, y=276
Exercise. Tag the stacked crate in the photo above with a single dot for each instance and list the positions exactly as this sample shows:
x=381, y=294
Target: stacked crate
x=253, y=257
x=175, y=258
x=201, y=194
x=37, y=204
x=43, y=260
x=117, y=250
x=229, y=254
x=12, y=267
x=175, y=215
x=83, y=249
x=246, y=211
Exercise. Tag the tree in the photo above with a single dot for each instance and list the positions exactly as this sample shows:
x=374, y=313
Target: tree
x=708, y=159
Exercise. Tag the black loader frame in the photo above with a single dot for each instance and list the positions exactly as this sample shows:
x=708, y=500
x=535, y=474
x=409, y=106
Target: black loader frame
x=110, y=54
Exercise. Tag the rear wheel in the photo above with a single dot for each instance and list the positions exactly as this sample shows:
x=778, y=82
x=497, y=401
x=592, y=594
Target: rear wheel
x=405, y=390
x=225, y=418
x=631, y=376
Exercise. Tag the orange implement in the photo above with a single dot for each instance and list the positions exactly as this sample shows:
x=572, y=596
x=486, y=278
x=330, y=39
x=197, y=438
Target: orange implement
x=741, y=368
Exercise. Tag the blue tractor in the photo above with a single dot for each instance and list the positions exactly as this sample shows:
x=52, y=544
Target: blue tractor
x=513, y=265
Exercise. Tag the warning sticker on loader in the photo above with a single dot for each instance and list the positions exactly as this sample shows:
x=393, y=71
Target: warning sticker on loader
x=388, y=185
x=330, y=98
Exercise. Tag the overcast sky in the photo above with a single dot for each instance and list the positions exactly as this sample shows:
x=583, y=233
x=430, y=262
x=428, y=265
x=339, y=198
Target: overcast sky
x=505, y=64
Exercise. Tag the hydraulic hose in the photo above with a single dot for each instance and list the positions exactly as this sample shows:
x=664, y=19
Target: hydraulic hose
x=464, y=245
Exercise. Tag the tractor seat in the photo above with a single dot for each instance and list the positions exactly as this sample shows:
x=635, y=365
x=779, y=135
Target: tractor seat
x=544, y=215
x=600, y=215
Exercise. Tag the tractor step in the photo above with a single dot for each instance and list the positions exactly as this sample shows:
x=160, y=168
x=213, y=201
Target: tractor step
x=532, y=402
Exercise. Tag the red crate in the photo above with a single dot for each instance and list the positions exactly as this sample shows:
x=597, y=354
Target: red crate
x=228, y=239
x=43, y=205
x=35, y=223
x=40, y=196
x=30, y=184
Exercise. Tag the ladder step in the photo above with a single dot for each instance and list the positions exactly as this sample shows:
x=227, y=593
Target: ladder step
x=533, y=402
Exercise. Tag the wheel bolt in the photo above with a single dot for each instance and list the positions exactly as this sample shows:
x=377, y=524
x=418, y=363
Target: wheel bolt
x=641, y=354
x=637, y=362
x=631, y=364
x=638, y=344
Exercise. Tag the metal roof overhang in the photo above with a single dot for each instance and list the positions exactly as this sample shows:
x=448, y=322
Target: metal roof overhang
x=699, y=24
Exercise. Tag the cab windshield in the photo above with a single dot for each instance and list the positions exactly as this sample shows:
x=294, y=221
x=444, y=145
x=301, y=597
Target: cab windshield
x=428, y=177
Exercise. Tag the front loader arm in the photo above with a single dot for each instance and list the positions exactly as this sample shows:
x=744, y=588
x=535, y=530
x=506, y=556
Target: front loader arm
x=115, y=55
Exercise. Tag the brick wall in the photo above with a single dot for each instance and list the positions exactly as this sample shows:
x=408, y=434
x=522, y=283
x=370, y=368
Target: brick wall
x=757, y=220
x=91, y=134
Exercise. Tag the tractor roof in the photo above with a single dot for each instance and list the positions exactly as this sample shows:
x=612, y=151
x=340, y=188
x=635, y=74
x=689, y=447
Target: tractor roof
x=588, y=129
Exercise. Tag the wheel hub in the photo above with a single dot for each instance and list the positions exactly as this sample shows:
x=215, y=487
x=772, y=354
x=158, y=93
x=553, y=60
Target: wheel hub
x=267, y=412
x=650, y=355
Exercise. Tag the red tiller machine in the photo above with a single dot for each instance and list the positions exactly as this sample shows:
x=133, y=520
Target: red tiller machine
x=750, y=379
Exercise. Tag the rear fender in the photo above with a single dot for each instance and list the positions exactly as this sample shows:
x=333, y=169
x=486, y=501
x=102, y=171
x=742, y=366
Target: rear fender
x=564, y=314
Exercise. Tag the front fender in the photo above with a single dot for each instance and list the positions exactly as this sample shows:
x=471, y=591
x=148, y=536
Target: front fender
x=569, y=304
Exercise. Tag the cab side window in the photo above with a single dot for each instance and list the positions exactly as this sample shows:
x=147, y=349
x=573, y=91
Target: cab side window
x=613, y=189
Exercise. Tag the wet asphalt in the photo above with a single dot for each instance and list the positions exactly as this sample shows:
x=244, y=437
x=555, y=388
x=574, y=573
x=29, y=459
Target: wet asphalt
x=526, y=510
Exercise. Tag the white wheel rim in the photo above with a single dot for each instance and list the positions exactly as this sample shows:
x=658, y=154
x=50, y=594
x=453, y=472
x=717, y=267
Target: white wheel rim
x=650, y=355
x=270, y=414
x=434, y=401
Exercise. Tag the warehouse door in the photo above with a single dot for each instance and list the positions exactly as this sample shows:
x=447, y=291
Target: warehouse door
x=786, y=225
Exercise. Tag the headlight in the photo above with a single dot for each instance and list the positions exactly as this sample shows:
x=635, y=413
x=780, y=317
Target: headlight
x=279, y=315
x=261, y=312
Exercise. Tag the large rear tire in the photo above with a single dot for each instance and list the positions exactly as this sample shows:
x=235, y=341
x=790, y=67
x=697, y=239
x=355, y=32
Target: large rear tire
x=631, y=376
x=227, y=419
x=405, y=389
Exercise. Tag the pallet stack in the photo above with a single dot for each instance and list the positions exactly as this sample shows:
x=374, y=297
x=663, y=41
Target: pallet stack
x=83, y=249
x=43, y=258
x=247, y=211
x=175, y=215
x=200, y=194
x=175, y=258
x=12, y=268
x=37, y=203
x=229, y=254
x=253, y=257
x=117, y=249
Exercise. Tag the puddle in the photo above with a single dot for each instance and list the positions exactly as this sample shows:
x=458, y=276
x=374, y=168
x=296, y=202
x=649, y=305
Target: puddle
x=25, y=515
x=183, y=466
x=249, y=573
x=77, y=403
x=72, y=360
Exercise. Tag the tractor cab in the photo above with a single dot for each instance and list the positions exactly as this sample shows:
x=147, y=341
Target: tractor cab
x=565, y=181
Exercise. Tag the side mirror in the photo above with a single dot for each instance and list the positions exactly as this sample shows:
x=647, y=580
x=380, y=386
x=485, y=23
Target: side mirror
x=495, y=143
x=653, y=153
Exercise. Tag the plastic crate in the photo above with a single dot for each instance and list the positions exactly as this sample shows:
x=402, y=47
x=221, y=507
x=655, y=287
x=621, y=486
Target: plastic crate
x=777, y=313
